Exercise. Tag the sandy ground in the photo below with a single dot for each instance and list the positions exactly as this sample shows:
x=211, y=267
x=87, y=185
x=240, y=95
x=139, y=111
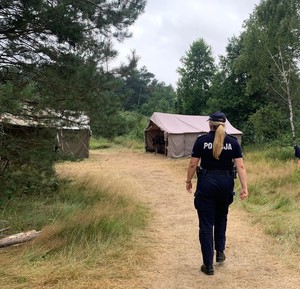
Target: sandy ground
x=253, y=260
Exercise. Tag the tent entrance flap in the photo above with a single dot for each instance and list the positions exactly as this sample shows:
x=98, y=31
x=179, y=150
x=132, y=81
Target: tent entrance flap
x=155, y=141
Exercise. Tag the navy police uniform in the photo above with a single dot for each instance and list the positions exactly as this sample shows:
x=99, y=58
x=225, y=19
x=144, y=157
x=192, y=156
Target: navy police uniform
x=214, y=192
x=297, y=151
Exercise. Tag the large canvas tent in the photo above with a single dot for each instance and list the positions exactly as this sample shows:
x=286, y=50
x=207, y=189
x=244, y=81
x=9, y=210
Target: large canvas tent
x=72, y=129
x=174, y=134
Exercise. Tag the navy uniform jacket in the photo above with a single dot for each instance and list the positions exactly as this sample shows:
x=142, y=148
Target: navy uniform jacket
x=203, y=149
x=297, y=152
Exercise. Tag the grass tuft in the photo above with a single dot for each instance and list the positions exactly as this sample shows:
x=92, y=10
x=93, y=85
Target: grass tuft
x=89, y=225
x=284, y=204
x=274, y=195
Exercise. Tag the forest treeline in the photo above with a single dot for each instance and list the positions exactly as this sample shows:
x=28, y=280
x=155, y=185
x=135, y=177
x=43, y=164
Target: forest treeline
x=56, y=55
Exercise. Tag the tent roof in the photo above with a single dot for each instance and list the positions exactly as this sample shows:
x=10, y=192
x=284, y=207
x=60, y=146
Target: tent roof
x=178, y=124
x=49, y=118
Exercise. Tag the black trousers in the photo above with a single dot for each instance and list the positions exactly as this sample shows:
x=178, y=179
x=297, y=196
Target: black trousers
x=214, y=194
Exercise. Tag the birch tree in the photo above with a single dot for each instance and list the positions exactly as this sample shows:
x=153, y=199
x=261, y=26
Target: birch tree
x=271, y=51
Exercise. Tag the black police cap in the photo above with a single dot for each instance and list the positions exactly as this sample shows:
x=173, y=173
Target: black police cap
x=218, y=116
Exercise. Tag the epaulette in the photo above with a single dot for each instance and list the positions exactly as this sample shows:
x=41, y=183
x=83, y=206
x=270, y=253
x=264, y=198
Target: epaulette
x=232, y=136
x=202, y=135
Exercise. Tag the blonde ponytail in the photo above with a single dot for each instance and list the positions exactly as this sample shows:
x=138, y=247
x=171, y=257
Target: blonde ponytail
x=219, y=138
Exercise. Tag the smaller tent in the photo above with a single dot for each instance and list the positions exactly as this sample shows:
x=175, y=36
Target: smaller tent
x=174, y=135
x=72, y=129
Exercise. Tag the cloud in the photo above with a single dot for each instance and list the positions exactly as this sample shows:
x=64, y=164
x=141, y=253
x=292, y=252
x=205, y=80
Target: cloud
x=164, y=32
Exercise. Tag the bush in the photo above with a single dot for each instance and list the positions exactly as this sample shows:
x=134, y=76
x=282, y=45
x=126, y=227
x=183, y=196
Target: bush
x=269, y=123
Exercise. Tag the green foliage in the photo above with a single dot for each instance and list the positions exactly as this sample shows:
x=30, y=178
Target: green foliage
x=141, y=92
x=268, y=124
x=7, y=101
x=27, y=156
x=270, y=54
x=33, y=182
x=135, y=88
x=195, y=79
x=25, y=180
x=79, y=86
x=257, y=84
x=106, y=120
x=161, y=99
x=228, y=92
x=134, y=125
x=123, y=123
x=71, y=26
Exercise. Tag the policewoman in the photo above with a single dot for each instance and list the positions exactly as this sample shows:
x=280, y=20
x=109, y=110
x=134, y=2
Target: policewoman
x=214, y=156
x=297, y=154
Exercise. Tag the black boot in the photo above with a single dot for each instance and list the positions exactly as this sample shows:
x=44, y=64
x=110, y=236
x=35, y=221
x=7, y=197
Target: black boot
x=208, y=270
x=220, y=257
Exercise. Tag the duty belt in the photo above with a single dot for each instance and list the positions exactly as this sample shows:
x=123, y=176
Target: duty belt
x=216, y=172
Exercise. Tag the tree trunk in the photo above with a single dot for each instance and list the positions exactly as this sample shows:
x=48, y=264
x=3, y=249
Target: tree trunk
x=286, y=94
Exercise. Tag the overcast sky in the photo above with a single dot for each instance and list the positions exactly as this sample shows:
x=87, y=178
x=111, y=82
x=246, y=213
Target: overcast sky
x=164, y=32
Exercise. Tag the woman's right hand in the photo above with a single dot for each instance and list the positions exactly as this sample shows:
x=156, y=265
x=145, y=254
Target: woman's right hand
x=243, y=194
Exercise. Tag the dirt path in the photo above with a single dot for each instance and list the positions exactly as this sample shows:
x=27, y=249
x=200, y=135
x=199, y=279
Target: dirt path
x=251, y=261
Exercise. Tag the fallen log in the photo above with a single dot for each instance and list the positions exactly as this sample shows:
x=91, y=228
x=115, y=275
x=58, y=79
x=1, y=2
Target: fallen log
x=18, y=238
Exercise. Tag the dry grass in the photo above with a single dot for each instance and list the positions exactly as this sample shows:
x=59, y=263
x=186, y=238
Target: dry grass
x=274, y=199
x=103, y=263
x=87, y=259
